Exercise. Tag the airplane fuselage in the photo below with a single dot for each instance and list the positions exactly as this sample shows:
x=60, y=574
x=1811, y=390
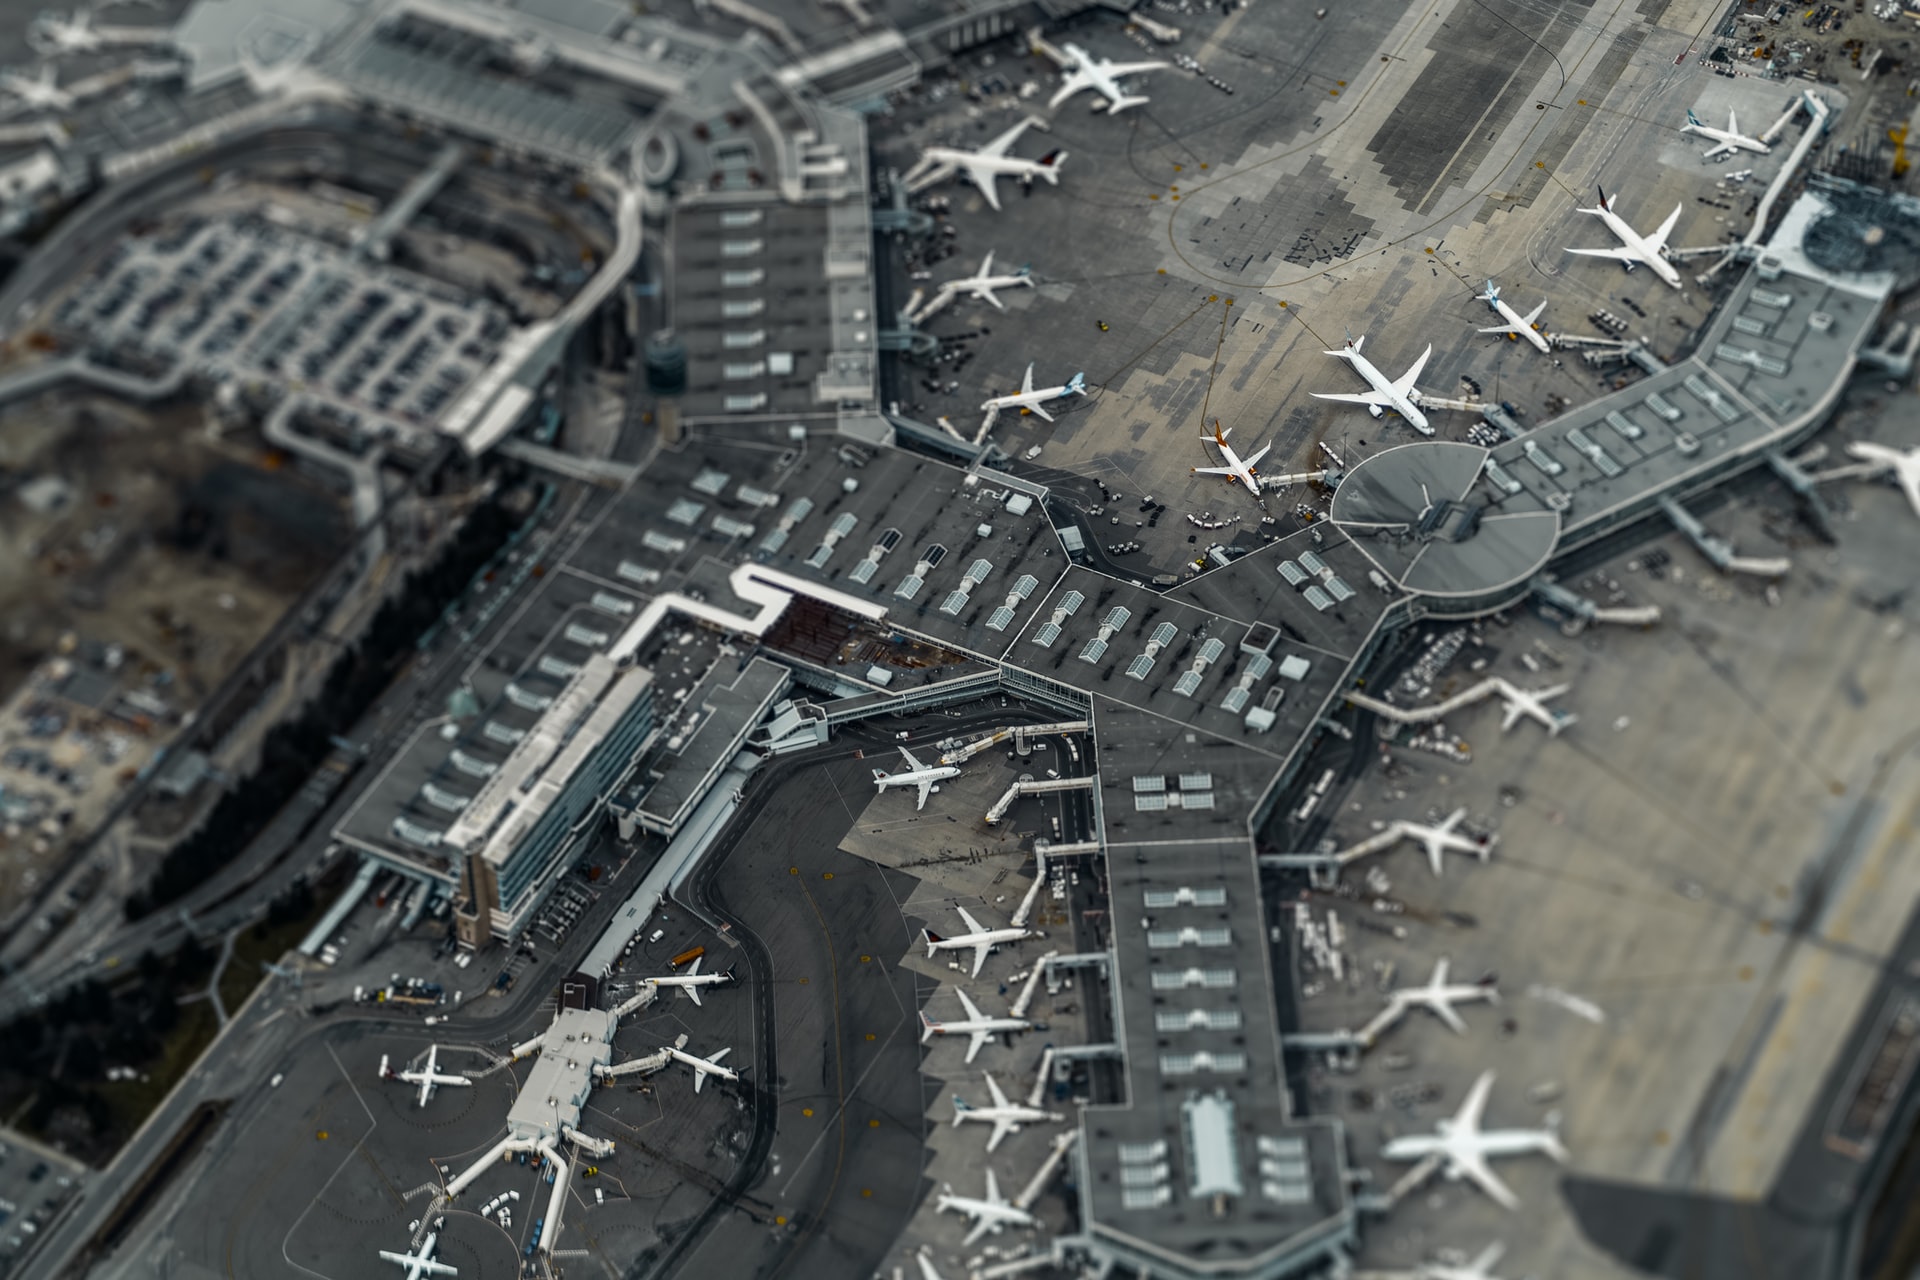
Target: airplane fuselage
x=1650, y=257
x=1519, y=322
x=1377, y=381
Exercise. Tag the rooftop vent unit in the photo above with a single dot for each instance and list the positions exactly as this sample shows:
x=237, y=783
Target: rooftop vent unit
x=1049, y=631
x=842, y=525
x=710, y=482
x=799, y=509
x=1097, y=647
x=957, y=600
x=685, y=511
x=1242, y=692
x=1003, y=616
x=1312, y=563
x=1189, y=682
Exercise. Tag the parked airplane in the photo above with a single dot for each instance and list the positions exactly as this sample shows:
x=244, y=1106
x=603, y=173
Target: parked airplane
x=1028, y=398
x=1727, y=140
x=1532, y=703
x=983, y=168
x=1903, y=466
x=1636, y=250
x=1517, y=326
x=36, y=93
x=988, y=1215
x=1463, y=1147
x=1004, y=1116
x=927, y=1271
x=691, y=981
x=1439, y=839
x=1237, y=469
x=979, y=286
x=428, y=1080
x=916, y=775
x=978, y=939
x=1103, y=77
x=976, y=1024
x=1481, y=1268
x=1435, y=996
x=1401, y=396
x=702, y=1067
x=420, y=1265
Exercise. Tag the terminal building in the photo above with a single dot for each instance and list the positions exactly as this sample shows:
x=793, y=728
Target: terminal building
x=784, y=569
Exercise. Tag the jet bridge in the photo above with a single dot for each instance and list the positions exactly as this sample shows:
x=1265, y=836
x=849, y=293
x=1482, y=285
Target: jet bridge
x=1038, y=786
x=1587, y=611
x=1018, y=733
x=1718, y=551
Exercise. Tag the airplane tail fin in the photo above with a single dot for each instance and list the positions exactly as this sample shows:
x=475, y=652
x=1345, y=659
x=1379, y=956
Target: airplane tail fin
x=960, y=1109
x=1078, y=384
x=386, y=1068
x=927, y=1027
x=1492, y=295
x=933, y=941
x=1693, y=119
x=1050, y=166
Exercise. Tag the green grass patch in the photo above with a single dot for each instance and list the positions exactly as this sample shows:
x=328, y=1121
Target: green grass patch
x=258, y=945
x=132, y=1101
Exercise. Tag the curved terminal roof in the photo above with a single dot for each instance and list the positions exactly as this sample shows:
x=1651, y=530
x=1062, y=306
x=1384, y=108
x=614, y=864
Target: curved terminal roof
x=1413, y=510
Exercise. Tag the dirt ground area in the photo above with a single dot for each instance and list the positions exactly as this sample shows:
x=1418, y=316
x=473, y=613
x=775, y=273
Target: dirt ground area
x=141, y=559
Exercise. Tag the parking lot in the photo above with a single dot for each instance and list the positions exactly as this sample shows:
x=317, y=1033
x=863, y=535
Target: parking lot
x=380, y=350
x=34, y=1183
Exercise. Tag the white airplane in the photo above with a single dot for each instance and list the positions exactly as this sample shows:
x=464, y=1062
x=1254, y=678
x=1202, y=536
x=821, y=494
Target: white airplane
x=429, y=1079
x=979, y=286
x=979, y=940
x=1103, y=77
x=421, y=1264
x=1463, y=1147
x=1727, y=140
x=702, y=1067
x=1028, y=398
x=1532, y=704
x=1436, y=996
x=916, y=775
x=988, y=1215
x=1004, y=1116
x=1904, y=467
x=1517, y=326
x=36, y=93
x=1481, y=1268
x=1442, y=838
x=54, y=34
x=985, y=167
x=691, y=981
x=1635, y=249
x=1401, y=396
x=1237, y=469
x=927, y=1271
x=975, y=1024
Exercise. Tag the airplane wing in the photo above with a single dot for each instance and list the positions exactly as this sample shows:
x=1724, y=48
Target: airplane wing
x=1118, y=69
x=1026, y=381
x=699, y=1078
x=981, y=1225
x=1250, y=462
x=913, y=765
x=1444, y=1010
x=1658, y=240
x=927, y=1271
x=1075, y=81
x=1001, y=1128
x=1719, y=149
x=1004, y=143
x=999, y=1094
x=986, y=265
x=1405, y=384
x=426, y=1089
x=692, y=991
x=1357, y=397
x=980, y=950
x=1468, y=1120
x=1488, y=1259
x=1627, y=256
x=1910, y=482
x=1733, y=122
x=436, y=1269
x=926, y=789
x=993, y=1189
x=979, y=1038
x=1215, y=471
x=1507, y=328
x=1533, y=317
x=966, y=1002
x=973, y=926
x=719, y=1054
x=984, y=180
x=1474, y=1166
x=1435, y=855
x=1042, y=412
